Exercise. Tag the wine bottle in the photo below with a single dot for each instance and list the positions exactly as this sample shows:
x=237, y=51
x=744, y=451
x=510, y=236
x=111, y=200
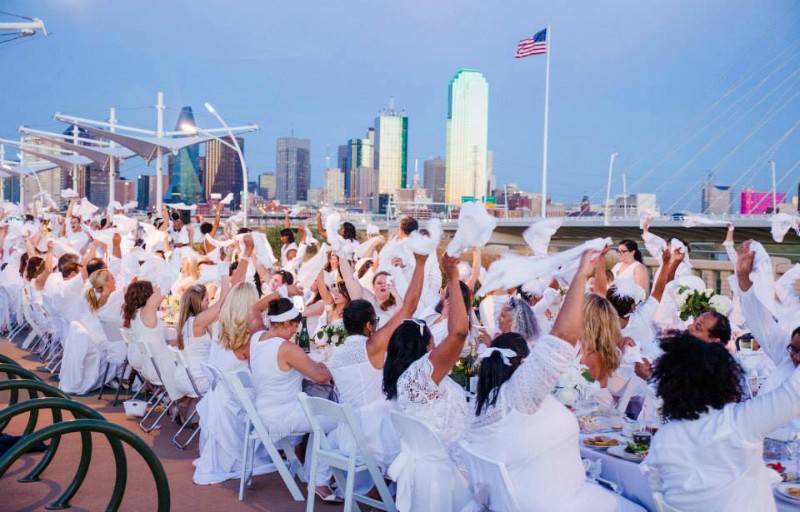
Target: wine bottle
x=303, y=338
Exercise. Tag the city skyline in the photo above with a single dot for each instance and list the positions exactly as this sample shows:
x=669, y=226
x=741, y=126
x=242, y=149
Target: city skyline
x=637, y=94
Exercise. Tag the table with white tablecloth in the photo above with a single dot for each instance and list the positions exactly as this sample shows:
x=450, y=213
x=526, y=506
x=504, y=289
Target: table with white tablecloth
x=635, y=484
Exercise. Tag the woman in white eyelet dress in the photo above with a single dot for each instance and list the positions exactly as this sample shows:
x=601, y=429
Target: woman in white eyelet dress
x=528, y=430
x=357, y=368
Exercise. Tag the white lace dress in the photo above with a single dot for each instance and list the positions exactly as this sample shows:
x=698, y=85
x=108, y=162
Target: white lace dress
x=536, y=437
x=443, y=407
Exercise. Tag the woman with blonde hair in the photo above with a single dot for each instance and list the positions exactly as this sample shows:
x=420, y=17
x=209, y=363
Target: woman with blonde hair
x=221, y=416
x=601, y=338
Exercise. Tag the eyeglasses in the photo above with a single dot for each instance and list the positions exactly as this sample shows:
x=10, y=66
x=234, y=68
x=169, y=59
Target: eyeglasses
x=793, y=351
x=421, y=323
x=622, y=251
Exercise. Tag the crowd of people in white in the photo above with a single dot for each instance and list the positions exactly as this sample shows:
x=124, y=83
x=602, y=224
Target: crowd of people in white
x=211, y=298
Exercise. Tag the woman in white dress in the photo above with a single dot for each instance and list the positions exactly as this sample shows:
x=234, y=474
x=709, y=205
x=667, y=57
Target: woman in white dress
x=194, y=333
x=221, y=415
x=630, y=266
x=601, y=345
x=357, y=368
x=140, y=315
x=383, y=295
x=328, y=310
x=415, y=380
x=517, y=316
x=709, y=453
x=279, y=367
x=520, y=424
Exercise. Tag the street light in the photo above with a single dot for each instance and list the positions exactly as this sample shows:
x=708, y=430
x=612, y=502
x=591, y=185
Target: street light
x=192, y=129
x=607, y=220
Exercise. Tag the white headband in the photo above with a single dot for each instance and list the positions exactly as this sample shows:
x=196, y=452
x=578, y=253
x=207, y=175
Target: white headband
x=286, y=315
x=505, y=353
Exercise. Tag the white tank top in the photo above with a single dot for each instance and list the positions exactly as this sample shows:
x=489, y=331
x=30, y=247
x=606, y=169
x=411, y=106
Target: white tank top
x=275, y=388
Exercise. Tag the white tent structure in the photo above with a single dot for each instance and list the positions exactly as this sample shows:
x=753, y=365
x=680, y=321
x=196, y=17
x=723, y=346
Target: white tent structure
x=151, y=144
x=9, y=168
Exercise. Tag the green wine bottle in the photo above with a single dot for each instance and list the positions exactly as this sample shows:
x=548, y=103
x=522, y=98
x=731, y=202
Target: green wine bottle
x=303, y=339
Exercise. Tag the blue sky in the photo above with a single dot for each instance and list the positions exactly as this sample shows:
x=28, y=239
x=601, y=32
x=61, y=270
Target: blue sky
x=636, y=77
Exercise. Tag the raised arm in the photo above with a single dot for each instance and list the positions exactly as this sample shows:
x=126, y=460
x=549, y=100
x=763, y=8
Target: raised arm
x=536, y=377
x=217, y=219
x=475, y=274
x=320, y=229
x=445, y=356
x=600, y=277
x=379, y=341
x=286, y=222
x=354, y=288
x=49, y=261
x=211, y=313
x=670, y=260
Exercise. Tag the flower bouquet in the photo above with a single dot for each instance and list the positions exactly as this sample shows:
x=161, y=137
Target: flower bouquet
x=330, y=336
x=693, y=303
x=576, y=383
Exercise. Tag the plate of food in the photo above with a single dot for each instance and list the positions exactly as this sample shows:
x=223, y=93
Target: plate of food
x=635, y=452
x=788, y=491
x=601, y=442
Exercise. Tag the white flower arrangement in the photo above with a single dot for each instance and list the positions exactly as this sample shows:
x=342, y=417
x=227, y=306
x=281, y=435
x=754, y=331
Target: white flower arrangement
x=330, y=335
x=693, y=303
x=575, y=383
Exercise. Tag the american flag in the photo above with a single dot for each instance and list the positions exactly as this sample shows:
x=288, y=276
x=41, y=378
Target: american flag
x=536, y=45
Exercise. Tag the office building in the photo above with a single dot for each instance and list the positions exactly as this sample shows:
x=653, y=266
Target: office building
x=292, y=169
x=467, y=137
x=223, y=169
x=391, y=150
x=753, y=202
x=631, y=204
x=51, y=181
x=266, y=185
x=357, y=153
x=124, y=190
x=366, y=189
x=716, y=199
x=434, y=178
x=334, y=186
x=184, y=168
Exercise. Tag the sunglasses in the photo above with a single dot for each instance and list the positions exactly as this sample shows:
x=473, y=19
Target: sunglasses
x=793, y=351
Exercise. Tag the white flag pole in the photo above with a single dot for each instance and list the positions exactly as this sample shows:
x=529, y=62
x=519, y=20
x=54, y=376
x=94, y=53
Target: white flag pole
x=549, y=43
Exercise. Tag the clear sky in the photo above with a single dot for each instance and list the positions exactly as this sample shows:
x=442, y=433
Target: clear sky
x=677, y=87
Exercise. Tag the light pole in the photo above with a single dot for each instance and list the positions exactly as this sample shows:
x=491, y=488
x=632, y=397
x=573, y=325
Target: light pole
x=238, y=150
x=607, y=220
x=774, y=192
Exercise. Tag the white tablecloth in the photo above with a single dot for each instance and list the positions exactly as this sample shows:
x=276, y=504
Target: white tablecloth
x=635, y=485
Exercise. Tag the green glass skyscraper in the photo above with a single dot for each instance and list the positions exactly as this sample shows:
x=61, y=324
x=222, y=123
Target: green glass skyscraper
x=184, y=171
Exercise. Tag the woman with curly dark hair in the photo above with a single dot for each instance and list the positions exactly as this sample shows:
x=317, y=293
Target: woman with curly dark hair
x=709, y=454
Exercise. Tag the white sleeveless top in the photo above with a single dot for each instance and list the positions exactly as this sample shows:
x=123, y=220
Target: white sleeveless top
x=358, y=382
x=196, y=348
x=276, y=389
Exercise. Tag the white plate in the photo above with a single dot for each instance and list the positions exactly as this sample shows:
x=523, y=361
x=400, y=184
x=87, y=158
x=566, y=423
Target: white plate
x=619, y=451
x=780, y=491
x=601, y=448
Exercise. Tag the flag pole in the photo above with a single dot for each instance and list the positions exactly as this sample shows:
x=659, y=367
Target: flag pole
x=549, y=41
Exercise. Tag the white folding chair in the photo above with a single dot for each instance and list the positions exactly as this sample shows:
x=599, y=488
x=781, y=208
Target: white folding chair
x=426, y=477
x=489, y=481
x=344, y=467
x=164, y=364
x=661, y=505
x=255, y=432
x=183, y=366
x=116, y=353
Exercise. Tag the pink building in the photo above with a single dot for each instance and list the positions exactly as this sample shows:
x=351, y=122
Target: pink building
x=752, y=202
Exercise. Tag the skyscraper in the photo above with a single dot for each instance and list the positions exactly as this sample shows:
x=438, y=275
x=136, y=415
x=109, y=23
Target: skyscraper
x=435, y=178
x=184, y=169
x=357, y=153
x=292, y=169
x=467, y=136
x=391, y=148
x=266, y=185
x=143, y=191
x=366, y=189
x=334, y=186
x=224, y=170
x=716, y=199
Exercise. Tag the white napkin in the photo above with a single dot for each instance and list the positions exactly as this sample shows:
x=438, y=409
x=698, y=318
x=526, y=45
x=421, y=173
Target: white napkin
x=782, y=223
x=475, y=227
x=426, y=244
x=646, y=214
x=373, y=230
x=86, y=209
x=68, y=193
x=512, y=270
x=310, y=269
x=762, y=276
x=692, y=221
x=538, y=234
x=228, y=199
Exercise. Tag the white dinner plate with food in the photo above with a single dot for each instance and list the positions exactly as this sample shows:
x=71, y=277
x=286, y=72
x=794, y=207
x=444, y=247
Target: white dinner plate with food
x=601, y=442
x=789, y=491
x=622, y=452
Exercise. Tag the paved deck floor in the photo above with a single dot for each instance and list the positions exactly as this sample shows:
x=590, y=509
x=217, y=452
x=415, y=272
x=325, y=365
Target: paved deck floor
x=267, y=493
